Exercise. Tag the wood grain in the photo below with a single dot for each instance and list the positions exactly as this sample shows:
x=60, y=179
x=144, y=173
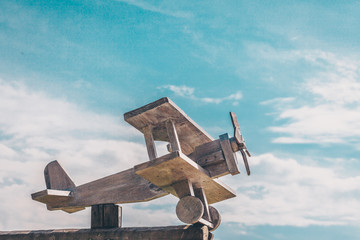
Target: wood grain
x=140, y=233
x=189, y=209
x=57, y=178
x=200, y=193
x=212, y=158
x=149, y=142
x=230, y=156
x=215, y=218
x=173, y=136
x=183, y=188
x=106, y=216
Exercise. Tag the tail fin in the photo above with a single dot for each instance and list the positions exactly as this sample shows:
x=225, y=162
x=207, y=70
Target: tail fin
x=57, y=178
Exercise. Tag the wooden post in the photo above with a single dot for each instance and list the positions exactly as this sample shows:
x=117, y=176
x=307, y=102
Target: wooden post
x=199, y=193
x=106, y=216
x=194, y=232
x=149, y=141
x=183, y=188
x=173, y=136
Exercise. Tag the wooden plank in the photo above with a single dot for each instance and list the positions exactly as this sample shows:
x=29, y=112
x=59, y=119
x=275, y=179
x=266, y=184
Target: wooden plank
x=149, y=141
x=122, y=187
x=207, y=148
x=217, y=170
x=230, y=156
x=213, y=158
x=51, y=195
x=97, y=216
x=206, y=223
x=195, y=232
x=106, y=216
x=174, y=167
x=157, y=113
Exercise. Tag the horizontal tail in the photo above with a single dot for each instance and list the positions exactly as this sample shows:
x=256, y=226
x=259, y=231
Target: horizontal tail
x=57, y=178
x=59, y=187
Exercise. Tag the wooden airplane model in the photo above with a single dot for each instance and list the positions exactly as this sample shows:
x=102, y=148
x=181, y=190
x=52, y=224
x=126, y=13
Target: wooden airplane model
x=189, y=171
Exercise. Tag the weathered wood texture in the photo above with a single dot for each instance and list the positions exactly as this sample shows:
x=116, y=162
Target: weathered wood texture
x=175, y=167
x=173, y=136
x=122, y=187
x=200, y=193
x=106, y=216
x=200, y=161
x=230, y=156
x=183, y=188
x=189, y=209
x=217, y=157
x=145, y=233
x=57, y=178
x=149, y=141
x=215, y=218
x=157, y=113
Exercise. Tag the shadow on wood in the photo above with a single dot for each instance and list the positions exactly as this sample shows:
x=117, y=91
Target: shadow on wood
x=194, y=232
x=106, y=216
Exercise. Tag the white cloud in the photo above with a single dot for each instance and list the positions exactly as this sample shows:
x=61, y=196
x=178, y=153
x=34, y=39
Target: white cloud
x=158, y=9
x=36, y=129
x=182, y=91
x=285, y=192
x=278, y=101
x=188, y=92
x=331, y=112
x=279, y=192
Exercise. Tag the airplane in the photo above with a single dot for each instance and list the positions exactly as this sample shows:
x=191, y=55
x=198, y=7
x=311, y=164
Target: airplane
x=190, y=170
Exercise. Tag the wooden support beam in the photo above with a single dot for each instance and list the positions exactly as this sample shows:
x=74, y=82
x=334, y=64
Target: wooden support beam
x=149, y=141
x=183, y=188
x=106, y=216
x=199, y=193
x=194, y=232
x=173, y=136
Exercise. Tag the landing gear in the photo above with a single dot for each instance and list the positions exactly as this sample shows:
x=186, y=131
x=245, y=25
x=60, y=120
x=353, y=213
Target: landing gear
x=191, y=210
x=215, y=218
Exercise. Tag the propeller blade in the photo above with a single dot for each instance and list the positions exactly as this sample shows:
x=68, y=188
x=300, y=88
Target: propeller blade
x=240, y=141
x=234, y=120
x=237, y=134
x=245, y=162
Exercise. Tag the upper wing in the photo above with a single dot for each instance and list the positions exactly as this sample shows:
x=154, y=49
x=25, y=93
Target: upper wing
x=157, y=113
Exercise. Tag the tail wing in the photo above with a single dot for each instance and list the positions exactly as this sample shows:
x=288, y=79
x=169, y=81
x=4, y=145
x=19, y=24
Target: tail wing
x=59, y=188
x=57, y=178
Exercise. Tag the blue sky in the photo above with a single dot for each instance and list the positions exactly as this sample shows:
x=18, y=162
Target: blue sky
x=290, y=70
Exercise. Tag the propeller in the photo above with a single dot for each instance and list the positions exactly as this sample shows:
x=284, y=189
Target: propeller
x=240, y=141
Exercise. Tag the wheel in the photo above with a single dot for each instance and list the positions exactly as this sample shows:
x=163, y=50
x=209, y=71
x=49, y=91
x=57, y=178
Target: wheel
x=215, y=218
x=189, y=209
